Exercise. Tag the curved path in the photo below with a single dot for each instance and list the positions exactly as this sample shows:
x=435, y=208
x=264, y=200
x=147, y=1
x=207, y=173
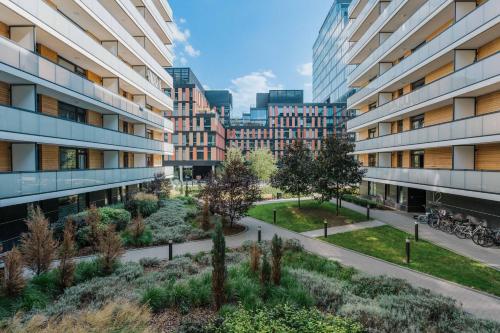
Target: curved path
x=478, y=303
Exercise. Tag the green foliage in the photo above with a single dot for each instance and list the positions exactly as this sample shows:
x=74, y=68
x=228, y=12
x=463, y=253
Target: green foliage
x=145, y=239
x=283, y=318
x=145, y=207
x=109, y=215
x=86, y=270
x=262, y=163
x=362, y=202
x=233, y=154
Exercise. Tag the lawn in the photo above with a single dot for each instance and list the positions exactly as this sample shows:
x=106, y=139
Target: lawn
x=388, y=243
x=309, y=216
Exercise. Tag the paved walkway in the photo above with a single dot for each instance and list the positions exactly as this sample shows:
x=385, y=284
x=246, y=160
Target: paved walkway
x=343, y=228
x=477, y=303
x=404, y=221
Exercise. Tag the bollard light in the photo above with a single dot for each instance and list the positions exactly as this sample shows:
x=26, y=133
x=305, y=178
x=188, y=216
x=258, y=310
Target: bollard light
x=407, y=250
x=325, y=226
x=259, y=234
x=274, y=216
x=368, y=211
x=170, y=249
x=416, y=231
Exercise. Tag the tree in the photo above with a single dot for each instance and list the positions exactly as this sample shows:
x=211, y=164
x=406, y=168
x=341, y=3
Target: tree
x=110, y=248
x=255, y=257
x=137, y=228
x=67, y=251
x=38, y=247
x=262, y=163
x=13, y=280
x=233, y=154
x=205, y=215
x=219, y=267
x=336, y=171
x=93, y=221
x=160, y=185
x=276, y=255
x=294, y=170
x=233, y=191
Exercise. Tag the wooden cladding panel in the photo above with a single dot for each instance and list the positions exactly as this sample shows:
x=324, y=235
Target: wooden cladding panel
x=158, y=136
x=96, y=159
x=488, y=103
x=49, y=157
x=47, y=52
x=488, y=157
x=157, y=160
x=94, y=118
x=439, y=30
x=363, y=134
x=4, y=93
x=5, y=157
x=49, y=105
x=439, y=73
x=363, y=109
x=363, y=158
x=94, y=77
x=406, y=124
x=438, y=116
x=394, y=159
x=407, y=89
x=406, y=159
x=4, y=30
x=438, y=158
x=488, y=49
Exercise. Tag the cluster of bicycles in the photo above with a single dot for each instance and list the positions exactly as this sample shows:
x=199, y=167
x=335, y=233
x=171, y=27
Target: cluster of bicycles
x=462, y=227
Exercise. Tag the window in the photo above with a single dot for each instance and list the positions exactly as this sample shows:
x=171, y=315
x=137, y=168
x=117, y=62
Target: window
x=73, y=113
x=125, y=127
x=418, y=84
x=149, y=160
x=372, y=160
x=149, y=134
x=125, y=160
x=417, y=159
x=399, y=159
x=72, y=158
x=372, y=106
x=372, y=133
x=372, y=188
x=399, y=194
x=71, y=67
x=400, y=92
x=400, y=126
x=417, y=121
x=199, y=155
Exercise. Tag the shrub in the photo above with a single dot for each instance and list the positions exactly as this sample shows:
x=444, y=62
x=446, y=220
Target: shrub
x=362, y=202
x=110, y=249
x=13, y=280
x=255, y=258
x=119, y=217
x=265, y=271
x=137, y=234
x=283, y=318
x=142, y=203
x=150, y=262
x=86, y=270
x=66, y=252
x=276, y=255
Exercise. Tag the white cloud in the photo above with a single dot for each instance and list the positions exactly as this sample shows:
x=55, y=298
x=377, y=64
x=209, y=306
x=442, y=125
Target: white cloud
x=183, y=61
x=191, y=51
x=206, y=87
x=182, y=20
x=245, y=87
x=180, y=35
x=305, y=69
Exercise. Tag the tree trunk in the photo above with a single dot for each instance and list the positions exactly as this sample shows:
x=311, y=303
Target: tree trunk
x=299, y=200
x=337, y=208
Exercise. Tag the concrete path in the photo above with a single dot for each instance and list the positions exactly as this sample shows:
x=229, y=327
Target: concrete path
x=477, y=303
x=404, y=221
x=343, y=228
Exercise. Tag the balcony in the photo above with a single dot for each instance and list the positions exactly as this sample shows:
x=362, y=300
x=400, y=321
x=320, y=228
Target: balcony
x=479, y=20
x=355, y=8
x=22, y=125
x=475, y=76
x=422, y=15
x=19, y=58
x=50, y=184
x=485, y=183
x=475, y=130
x=49, y=19
x=361, y=19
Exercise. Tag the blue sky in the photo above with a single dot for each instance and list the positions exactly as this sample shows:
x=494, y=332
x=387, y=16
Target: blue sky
x=248, y=46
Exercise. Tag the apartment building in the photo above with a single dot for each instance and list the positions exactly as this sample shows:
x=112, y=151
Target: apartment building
x=199, y=136
x=82, y=98
x=281, y=117
x=428, y=121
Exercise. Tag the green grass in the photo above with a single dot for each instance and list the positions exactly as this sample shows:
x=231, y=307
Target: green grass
x=388, y=243
x=309, y=216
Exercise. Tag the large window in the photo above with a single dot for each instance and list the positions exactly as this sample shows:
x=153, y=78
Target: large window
x=71, y=66
x=372, y=160
x=417, y=121
x=71, y=112
x=72, y=158
x=372, y=133
x=417, y=159
x=418, y=84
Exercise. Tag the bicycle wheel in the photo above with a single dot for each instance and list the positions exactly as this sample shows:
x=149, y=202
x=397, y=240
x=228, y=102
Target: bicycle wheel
x=460, y=232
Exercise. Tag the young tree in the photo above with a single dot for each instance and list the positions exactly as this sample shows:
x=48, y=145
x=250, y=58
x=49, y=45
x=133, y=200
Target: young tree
x=233, y=191
x=336, y=171
x=262, y=163
x=110, y=248
x=67, y=251
x=159, y=186
x=255, y=257
x=219, y=267
x=38, y=247
x=233, y=154
x=137, y=228
x=13, y=280
x=294, y=170
x=277, y=254
x=93, y=221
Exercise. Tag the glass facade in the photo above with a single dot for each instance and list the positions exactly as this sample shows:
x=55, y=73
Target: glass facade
x=330, y=69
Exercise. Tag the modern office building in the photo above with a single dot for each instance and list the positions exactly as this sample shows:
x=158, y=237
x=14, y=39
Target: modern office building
x=330, y=67
x=222, y=101
x=82, y=98
x=428, y=121
x=199, y=134
x=281, y=117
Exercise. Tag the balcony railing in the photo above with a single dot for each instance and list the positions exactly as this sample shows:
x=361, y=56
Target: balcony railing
x=374, y=28
x=29, y=62
x=81, y=40
x=31, y=183
x=476, y=20
x=457, y=82
x=475, y=128
x=362, y=17
x=13, y=120
x=398, y=36
x=466, y=180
